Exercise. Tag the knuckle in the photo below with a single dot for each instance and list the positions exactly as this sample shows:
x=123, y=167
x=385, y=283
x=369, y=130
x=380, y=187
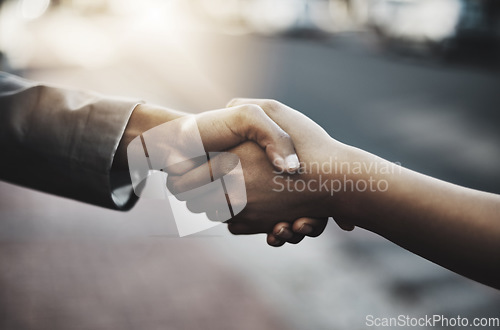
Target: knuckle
x=233, y=101
x=251, y=111
x=283, y=139
x=284, y=136
x=272, y=105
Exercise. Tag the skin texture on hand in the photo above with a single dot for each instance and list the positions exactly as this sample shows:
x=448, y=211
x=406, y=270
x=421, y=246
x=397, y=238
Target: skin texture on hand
x=143, y=118
x=453, y=226
x=226, y=128
x=220, y=130
x=263, y=183
x=302, y=135
x=259, y=215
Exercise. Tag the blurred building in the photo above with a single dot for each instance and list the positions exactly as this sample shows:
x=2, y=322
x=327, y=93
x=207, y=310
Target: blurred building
x=445, y=29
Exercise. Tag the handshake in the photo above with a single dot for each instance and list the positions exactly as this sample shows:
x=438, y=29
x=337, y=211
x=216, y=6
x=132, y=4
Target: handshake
x=256, y=165
x=263, y=167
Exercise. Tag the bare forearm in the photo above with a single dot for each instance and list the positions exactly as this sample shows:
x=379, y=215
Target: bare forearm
x=456, y=227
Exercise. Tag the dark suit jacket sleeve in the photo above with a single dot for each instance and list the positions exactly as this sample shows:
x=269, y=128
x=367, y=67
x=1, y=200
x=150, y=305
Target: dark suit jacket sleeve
x=63, y=141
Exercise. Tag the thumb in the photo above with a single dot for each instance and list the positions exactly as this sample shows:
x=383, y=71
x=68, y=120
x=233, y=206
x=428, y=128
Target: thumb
x=226, y=128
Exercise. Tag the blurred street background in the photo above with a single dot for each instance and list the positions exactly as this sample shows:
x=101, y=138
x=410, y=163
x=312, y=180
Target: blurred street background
x=416, y=82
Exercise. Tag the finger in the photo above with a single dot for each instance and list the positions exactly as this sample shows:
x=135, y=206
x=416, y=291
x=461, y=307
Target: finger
x=184, y=166
x=265, y=104
x=345, y=225
x=284, y=115
x=296, y=239
x=176, y=185
x=210, y=199
x=312, y=227
x=217, y=167
x=222, y=129
x=240, y=101
x=202, y=188
x=274, y=241
x=284, y=232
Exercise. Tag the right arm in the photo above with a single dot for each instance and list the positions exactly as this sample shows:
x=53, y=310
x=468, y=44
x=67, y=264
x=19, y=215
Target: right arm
x=455, y=227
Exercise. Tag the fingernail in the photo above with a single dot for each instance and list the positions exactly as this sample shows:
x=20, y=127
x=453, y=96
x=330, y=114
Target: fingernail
x=292, y=162
x=279, y=162
x=284, y=233
x=306, y=229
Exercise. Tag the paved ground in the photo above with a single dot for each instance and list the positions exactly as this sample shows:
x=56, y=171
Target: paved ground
x=65, y=265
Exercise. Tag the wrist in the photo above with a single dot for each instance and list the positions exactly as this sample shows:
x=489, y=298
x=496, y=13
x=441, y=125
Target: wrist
x=357, y=178
x=143, y=118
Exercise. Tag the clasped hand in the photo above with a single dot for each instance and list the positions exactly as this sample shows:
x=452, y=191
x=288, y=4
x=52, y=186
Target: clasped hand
x=269, y=138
